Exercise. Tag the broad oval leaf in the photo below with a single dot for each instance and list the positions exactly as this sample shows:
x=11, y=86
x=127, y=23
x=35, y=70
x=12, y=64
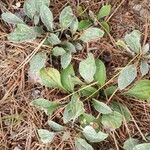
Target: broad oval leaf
x=133, y=41
x=22, y=33
x=66, y=17
x=39, y=3
x=55, y=126
x=87, y=68
x=84, y=24
x=58, y=51
x=144, y=67
x=92, y=136
x=48, y=106
x=100, y=74
x=127, y=76
x=36, y=64
x=140, y=90
x=81, y=144
x=45, y=135
x=11, y=18
x=65, y=60
x=144, y=146
x=69, y=47
x=112, y=121
x=53, y=39
x=73, y=109
x=104, y=11
x=130, y=143
x=46, y=17
x=91, y=34
x=74, y=25
x=101, y=107
x=51, y=77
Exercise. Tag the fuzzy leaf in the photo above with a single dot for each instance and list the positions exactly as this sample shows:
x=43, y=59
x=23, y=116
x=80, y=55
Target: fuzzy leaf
x=127, y=76
x=53, y=39
x=46, y=17
x=146, y=48
x=58, y=51
x=100, y=74
x=144, y=146
x=87, y=68
x=46, y=105
x=140, y=90
x=65, y=60
x=88, y=91
x=92, y=136
x=22, y=33
x=45, y=135
x=39, y=3
x=130, y=143
x=84, y=24
x=110, y=90
x=73, y=109
x=74, y=25
x=101, y=107
x=91, y=34
x=81, y=144
x=69, y=47
x=55, y=126
x=144, y=68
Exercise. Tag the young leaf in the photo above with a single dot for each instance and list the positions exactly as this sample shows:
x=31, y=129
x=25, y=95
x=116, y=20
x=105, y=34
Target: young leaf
x=81, y=144
x=36, y=63
x=51, y=78
x=36, y=19
x=122, y=109
x=46, y=105
x=46, y=17
x=69, y=47
x=144, y=68
x=66, y=78
x=110, y=90
x=100, y=74
x=87, y=68
x=22, y=33
x=127, y=76
x=78, y=46
x=112, y=121
x=55, y=126
x=58, y=51
x=65, y=60
x=66, y=17
x=45, y=135
x=146, y=48
x=91, y=34
x=130, y=143
x=133, y=41
x=39, y=3
x=74, y=25
x=144, y=146
x=88, y=91
x=104, y=11
x=101, y=107
x=11, y=18
x=106, y=26
x=53, y=39
x=92, y=136
x=140, y=90
x=84, y=24
x=73, y=109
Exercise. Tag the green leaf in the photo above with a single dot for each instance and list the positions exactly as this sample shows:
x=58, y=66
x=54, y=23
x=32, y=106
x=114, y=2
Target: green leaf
x=69, y=47
x=36, y=19
x=46, y=17
x=127, y=76
x=146, y=48
x=104, y=11
x=84, y=24
x=74, y=25
x=78, y=46
x=144, y=146
x=130, y=143
x=22, y=33
x=53, y=39
x=11, y=18
x=110, y=90
x=51, y=77
x=39, y=3
x=122, y=109
x=66, y=17
x=81, y=144
x=140, y=90
x=36, y=63
x=101, y=107
x=55, y=126
x=133, y=41
x=58, y=51
x=46, y=105
x=87, y=68
x=88, y=91
x=65, y=60
x=112, y=121
x=144, y=67
x=66, y=78
x=106, y=26
x=100, y=74
x=91, y=34
x=73, y=109
x=92, y=136
x=45, y=135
